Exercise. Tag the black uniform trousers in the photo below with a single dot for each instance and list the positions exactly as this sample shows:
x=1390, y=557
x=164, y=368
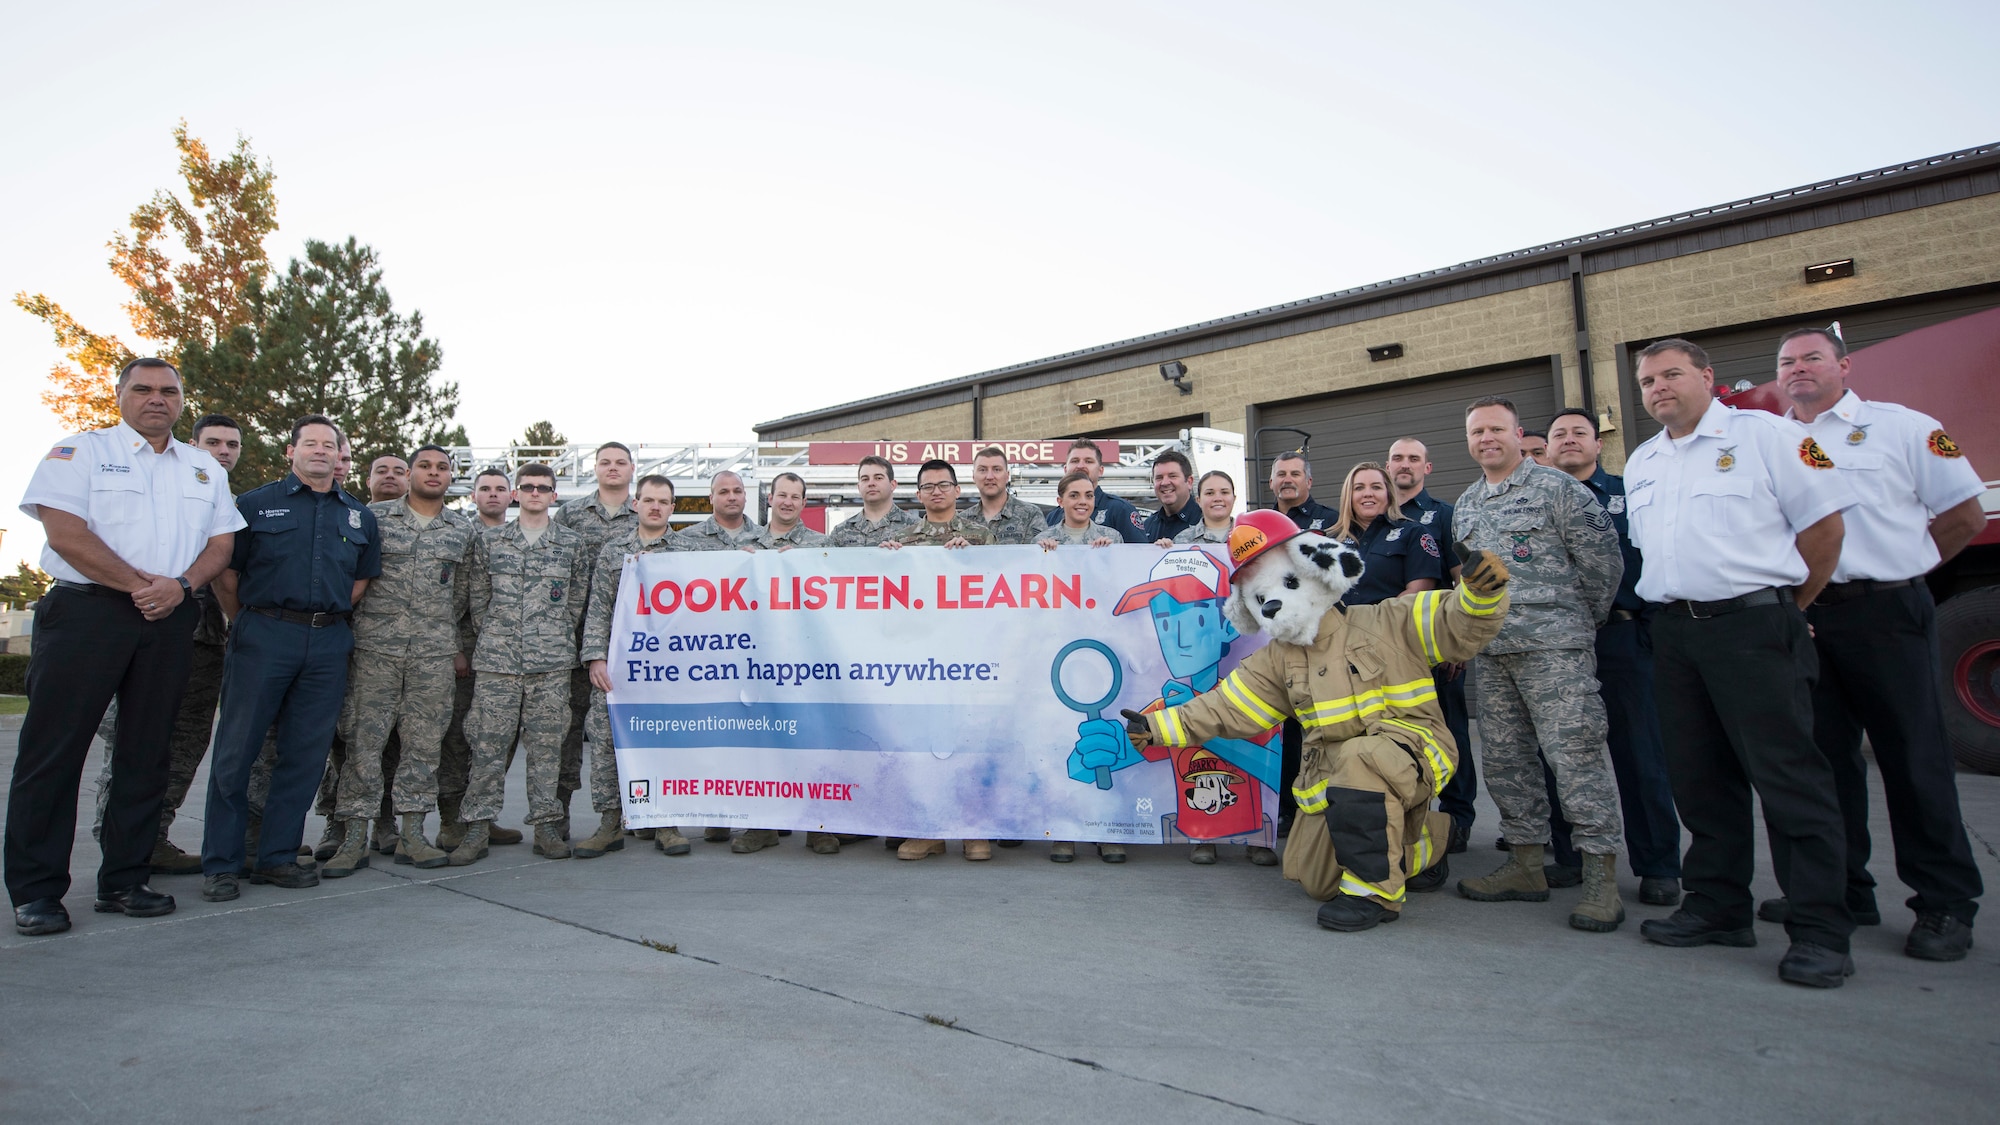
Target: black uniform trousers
x=1645, y=792
x=1455, y=799
x=90, y=648
x=1879, y=673
x=279, y=672
x=1735, y=694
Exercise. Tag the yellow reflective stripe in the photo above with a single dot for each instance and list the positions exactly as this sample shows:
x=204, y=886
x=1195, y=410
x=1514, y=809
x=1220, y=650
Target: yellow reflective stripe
x=1424, y=849
x=1475, y=605
x=1412, y=694
x=1441, y=768
x=1248, y=702
x=1170, y=726
x=1311, y=799
x=1349, y=885
x=1424, y=612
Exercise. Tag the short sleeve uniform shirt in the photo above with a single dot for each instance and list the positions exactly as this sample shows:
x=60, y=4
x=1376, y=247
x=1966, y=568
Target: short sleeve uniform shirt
x=156, y=511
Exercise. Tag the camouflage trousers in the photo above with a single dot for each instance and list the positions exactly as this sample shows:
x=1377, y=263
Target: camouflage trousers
x=605, y=794
x=532, y=709
x=1547, y=700
x=1365, y=823
x=192, y=728
x=582, y=702
x=328, y=800
x=393, y=697
x=455, y=755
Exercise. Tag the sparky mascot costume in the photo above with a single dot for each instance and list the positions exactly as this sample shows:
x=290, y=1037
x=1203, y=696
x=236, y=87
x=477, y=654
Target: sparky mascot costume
x=1359, y=680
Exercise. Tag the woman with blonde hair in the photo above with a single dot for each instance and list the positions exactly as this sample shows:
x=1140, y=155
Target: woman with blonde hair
x=1398, y=557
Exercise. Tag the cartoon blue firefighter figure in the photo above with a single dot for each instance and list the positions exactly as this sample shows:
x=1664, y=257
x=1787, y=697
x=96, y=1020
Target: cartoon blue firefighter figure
x=1220, y=784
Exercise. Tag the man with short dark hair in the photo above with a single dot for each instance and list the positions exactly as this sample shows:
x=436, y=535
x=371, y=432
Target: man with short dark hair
x=1875, y=630
x=492, y=495
x=726, y=528
x=1173, y=485
x=135, y=521
x=1291, y=493
x=786, y=530
x=388, y=478
x=600, y=517
x=1110, y=511
x=1010, y=518
x=1625, y=682
x=879, y=517
x=308, y=555
x=1535, y=446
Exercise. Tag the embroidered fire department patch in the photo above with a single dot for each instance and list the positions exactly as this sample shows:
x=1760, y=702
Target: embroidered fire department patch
x=1812, y=454
x=1941, y=444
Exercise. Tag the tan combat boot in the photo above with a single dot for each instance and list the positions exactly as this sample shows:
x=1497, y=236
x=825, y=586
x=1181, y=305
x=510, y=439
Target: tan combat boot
x=715, y=835
x=670, y=841
x=549, y=841
x=170, y=860
x=385, y=835
x=353, y=853
x=1601, y=909
x=1520, y=878
x=450, y=829
x=498, y=835
x=473, y=847
x=609, y=837
x=754, y=840
x=412, y=848
x=918, y=849
x=977, y=850
x=329, y=840
x=823, y=843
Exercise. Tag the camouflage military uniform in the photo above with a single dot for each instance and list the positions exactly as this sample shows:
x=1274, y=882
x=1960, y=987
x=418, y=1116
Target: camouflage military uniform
x=192, y=725
x=1537, y=681
x=928, y=534
x=858, y=530
x=1201, y=533
x=604, y=792
x=711, y=536
x=1018, y=521
x=799, y=536
x=401, y=677
x=455, y=754
x=1092, y=533
x=586, y=516
x=525, y=604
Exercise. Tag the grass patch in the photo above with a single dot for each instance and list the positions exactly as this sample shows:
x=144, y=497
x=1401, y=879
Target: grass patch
x=659, y=945
x=939, y=1020
x=13, y=704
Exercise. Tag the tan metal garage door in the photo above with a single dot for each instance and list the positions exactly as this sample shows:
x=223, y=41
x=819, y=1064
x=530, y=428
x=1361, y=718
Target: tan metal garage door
x=1751, y=353
x=1352, y=426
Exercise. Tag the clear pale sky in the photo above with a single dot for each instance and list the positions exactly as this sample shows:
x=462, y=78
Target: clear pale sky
x=663, y=221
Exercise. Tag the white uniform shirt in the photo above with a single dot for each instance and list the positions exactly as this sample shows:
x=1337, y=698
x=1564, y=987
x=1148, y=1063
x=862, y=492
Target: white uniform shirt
x=1716, y=513
x=154, y=510
x=1904, y=470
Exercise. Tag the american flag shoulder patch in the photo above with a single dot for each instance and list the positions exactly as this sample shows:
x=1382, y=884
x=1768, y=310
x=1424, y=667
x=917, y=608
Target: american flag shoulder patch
x=61, y=453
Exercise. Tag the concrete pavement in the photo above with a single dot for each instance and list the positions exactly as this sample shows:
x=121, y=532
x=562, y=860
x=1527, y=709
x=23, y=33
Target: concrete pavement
x=785, y=985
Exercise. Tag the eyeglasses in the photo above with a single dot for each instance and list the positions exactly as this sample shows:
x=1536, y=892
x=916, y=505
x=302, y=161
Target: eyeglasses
x=937, y=486
x=535, y=488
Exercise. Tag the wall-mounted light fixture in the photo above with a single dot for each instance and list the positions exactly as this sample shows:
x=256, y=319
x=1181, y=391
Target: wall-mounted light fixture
x=1090, y=406
x=1606, y=421
x=1380, y=352
x=1175, y=372
x=1827, y=271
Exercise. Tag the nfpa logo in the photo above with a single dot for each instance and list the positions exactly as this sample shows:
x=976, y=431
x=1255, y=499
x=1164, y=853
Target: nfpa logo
x=639, y=791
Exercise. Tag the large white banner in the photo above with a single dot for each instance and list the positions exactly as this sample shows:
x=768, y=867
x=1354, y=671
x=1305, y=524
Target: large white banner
x=930, y=693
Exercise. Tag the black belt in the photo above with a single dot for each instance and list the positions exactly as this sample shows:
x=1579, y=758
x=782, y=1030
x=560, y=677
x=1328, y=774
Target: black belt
x=1837, y=592
x=92, y=588
x=1769, y=595
x=315, y=620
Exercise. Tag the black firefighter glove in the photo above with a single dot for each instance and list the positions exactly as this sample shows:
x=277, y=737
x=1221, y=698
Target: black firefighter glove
x=1481, y=571
x=1137, y=729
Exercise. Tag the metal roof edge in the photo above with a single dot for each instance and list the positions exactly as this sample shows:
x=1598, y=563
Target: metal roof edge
x=1813, y=194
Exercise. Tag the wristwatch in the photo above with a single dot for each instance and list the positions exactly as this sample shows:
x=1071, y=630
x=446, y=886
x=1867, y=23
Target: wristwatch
x=186, y=590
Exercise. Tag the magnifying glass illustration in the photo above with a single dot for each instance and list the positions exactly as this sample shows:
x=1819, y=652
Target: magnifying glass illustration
x=1089, y=710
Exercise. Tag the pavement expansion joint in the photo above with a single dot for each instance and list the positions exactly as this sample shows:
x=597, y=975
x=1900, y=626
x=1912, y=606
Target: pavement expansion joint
x=444, y=884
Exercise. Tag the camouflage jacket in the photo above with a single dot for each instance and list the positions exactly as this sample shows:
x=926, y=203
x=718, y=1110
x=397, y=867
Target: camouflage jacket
x=1201, y=533
x=604, y=588
x=413, y=608
x=1091, y=533
x=1558, y=544
x=1018, y=521
x=799, y=536
x=527, y=601
x=858, y=530
x=586, y=516
x=711, y=536
x=928, y=534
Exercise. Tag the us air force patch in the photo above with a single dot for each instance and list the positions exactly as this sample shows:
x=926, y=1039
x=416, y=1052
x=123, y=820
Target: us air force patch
x=353, y=519
x=1614, y=504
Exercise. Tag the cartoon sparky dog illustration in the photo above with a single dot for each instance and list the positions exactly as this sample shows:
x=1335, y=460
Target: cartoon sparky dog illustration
x=1220, y=783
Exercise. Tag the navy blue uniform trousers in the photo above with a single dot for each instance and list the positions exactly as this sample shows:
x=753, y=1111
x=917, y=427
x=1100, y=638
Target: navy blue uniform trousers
x=277, y=672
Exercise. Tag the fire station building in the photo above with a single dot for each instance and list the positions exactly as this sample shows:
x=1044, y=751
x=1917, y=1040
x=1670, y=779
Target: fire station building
x=1882, y=251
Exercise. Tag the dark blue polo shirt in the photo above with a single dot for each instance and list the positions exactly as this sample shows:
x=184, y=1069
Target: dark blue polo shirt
x=303, y=550
x=1393, y=555
x=1313, y=516
x=1160, y=525
x=1117, y=514
x=1610, y=492
x=1434, y=516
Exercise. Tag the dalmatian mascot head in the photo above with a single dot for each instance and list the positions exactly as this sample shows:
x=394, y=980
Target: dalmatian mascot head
x=1285, y=580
